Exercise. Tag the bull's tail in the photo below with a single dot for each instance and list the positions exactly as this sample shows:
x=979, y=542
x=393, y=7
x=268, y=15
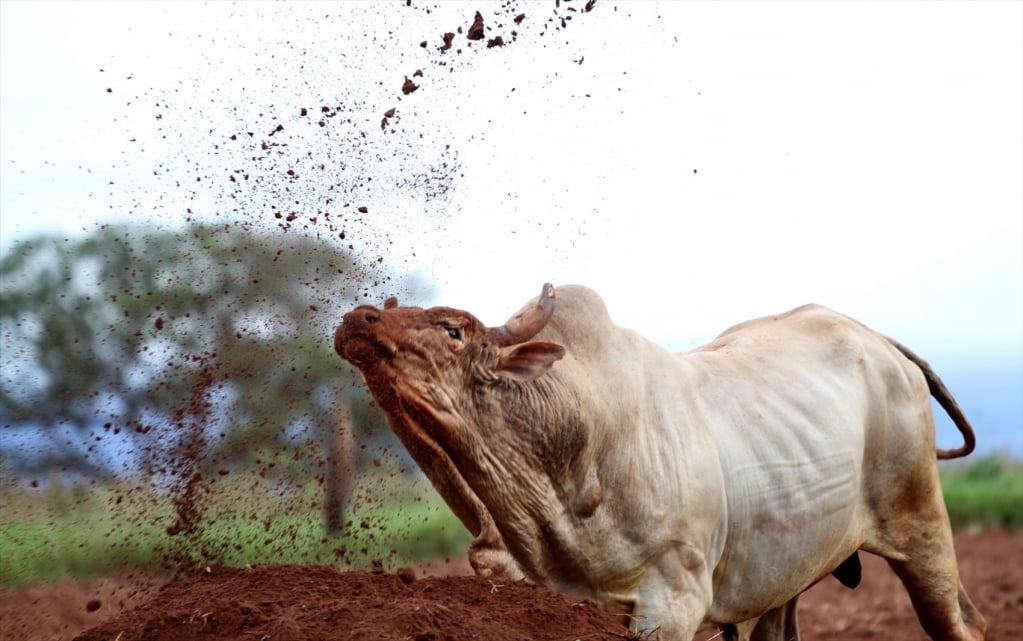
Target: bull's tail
x=945, y=399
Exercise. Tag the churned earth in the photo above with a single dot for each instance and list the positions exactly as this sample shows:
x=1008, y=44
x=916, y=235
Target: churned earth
x=310, y=602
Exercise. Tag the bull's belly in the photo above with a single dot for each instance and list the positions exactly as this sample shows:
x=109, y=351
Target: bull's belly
x=789, y=524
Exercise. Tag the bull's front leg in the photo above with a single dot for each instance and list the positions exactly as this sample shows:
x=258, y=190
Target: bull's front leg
x=489, y=557
x=674, y=595
x=779, y=624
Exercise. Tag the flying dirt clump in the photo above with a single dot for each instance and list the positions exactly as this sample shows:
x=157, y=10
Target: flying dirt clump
x=476, y=30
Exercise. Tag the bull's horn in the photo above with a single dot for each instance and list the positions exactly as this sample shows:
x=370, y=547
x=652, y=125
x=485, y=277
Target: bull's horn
x=391, y=302
x=528, y=324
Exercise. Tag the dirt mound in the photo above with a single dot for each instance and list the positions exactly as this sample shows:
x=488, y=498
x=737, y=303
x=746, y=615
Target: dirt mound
x=318, y=602
x=310, y=602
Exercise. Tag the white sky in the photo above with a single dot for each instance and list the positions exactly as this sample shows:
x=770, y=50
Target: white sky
x=867, y=156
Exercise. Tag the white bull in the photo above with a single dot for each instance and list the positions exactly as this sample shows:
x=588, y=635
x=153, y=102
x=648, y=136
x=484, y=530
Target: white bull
x=682, y=491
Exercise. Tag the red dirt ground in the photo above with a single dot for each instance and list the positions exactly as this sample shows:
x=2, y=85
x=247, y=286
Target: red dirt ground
x=290, y=602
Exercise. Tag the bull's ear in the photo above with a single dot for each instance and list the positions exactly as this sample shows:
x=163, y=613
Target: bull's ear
x=528, y=361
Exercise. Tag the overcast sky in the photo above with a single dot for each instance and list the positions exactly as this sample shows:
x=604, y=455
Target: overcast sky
x=696, y=163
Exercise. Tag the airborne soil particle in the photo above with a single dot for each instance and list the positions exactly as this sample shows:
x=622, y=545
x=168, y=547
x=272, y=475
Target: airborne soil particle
x=476, y=30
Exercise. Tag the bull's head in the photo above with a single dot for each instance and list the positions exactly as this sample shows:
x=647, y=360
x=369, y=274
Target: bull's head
x=408, y=339
x=443, y=379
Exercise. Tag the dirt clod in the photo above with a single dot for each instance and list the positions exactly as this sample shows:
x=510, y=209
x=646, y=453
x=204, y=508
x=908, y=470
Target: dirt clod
x=476, y=30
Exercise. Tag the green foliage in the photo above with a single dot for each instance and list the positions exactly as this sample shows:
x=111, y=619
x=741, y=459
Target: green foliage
x=181, y=355
x=138, y=336
x=249, y=521
x=987, y=492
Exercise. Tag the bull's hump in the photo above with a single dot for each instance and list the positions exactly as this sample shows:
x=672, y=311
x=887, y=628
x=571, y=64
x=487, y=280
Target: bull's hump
x=580, y=310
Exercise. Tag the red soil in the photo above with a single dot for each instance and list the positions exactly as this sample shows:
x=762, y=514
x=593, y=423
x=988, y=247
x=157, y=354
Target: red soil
x=292, y=602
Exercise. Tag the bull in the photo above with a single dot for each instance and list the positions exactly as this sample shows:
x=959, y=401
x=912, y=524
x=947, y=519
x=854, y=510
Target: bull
x=680, y=491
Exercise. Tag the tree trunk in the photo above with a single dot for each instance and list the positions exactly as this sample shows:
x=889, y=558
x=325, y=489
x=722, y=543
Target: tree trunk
x=340, y=473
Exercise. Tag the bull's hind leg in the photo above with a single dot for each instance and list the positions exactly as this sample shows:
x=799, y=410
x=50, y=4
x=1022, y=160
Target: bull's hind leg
x=916, y=540
x=939, y=598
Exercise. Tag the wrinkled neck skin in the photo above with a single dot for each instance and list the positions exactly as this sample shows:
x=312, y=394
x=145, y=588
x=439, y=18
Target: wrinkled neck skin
x=483, y=450
x=415, y=416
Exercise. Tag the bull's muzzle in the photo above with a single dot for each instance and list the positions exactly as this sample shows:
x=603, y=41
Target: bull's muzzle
x=355, y=339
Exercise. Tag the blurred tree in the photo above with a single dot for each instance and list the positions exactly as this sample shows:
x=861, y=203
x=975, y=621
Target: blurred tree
x=192, y=352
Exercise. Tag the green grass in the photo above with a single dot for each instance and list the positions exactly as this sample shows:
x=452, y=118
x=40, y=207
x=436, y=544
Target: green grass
x=85, y=531
x=985, y=492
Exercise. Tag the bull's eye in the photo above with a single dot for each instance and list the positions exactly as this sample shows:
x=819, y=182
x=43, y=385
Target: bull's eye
x=455, y=333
